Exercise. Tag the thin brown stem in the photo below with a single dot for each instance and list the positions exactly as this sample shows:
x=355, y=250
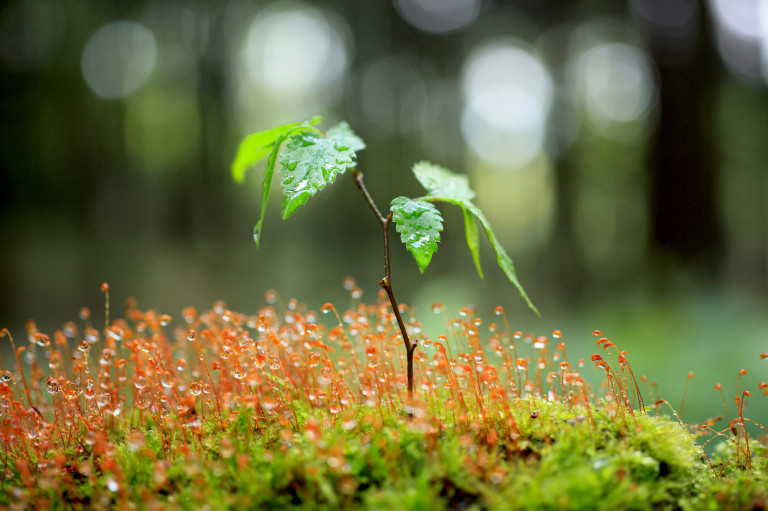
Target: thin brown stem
x=386, y=282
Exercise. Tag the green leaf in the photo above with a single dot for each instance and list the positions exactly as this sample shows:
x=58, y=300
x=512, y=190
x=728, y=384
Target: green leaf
x=505, y=262
x=419, y=224
x=473, y=241
x=257, y=145
x=441, y=182
x=310, y=161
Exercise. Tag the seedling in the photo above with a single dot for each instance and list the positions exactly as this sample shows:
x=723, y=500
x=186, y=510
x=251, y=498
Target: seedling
x=311, y=159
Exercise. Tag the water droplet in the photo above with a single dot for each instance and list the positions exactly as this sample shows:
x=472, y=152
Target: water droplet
x=7, y=376
x=274, y=363
x=314, y=359
x=195, y=388
x=89, y=389
x=292, y=164
x=53, y=386
x=112, y=485
x=165, y=319
x=166, y=380
x=103, y=400
x=141, y=382
x=191, y=336
x=238, y=373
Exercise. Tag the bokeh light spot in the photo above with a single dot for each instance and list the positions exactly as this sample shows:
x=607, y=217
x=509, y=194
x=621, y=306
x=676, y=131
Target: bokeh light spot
x=294, y=49
x=742, y=36
x=615, y=82
x=118, y=59
x=439, y=16
x=508, y=94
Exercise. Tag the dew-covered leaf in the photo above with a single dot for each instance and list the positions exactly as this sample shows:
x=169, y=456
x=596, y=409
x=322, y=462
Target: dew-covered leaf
x=503, y=259
x=310, y=161
x=441, y=182
x=419, y=224
x=257, y=145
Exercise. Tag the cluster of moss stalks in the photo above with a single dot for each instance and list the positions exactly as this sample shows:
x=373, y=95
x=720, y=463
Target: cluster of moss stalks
x=277, y=410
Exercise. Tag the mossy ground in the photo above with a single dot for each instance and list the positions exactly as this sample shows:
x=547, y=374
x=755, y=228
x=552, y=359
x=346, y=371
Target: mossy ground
x=262, y=417
x=558, y=459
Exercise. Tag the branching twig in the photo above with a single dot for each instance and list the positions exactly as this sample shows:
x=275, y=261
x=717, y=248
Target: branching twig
x=386, y=282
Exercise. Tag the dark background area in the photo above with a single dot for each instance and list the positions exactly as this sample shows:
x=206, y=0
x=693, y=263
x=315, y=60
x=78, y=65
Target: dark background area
x=619, y=150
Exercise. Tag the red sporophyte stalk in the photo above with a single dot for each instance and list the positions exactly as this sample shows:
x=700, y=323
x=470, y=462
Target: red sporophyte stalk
x=688, y=378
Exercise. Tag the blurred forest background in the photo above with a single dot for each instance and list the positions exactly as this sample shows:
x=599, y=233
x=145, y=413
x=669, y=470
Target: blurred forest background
x=619, y=149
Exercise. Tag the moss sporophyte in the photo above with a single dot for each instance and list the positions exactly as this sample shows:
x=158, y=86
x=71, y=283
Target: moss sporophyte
x=291, y=407
x=287, y=407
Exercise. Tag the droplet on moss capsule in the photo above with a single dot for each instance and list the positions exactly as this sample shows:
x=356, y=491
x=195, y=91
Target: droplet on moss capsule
x=195, y=388
x=326, y=308
x=103, y=400
x=191, y=336
x=141, y=382
x=274, y=363
x=348, y=283
x=53, y=386
x=166, y=380
x=437, y=307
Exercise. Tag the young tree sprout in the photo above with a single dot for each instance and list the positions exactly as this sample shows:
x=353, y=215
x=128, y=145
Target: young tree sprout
x=310, y=159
